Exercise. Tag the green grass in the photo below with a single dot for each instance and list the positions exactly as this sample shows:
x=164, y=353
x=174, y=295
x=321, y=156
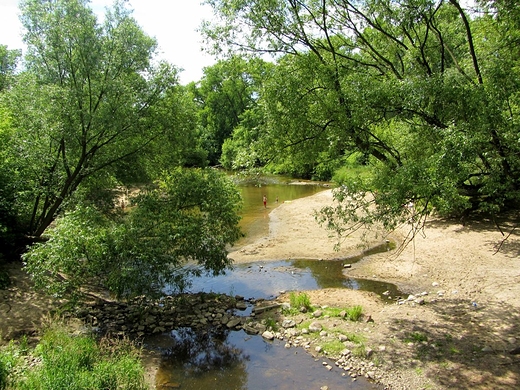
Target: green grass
x=354, y=313
x=270, y=322
x=333, y=347
x=72, y=362
x=300, y=300
x=356, y=338
x=360, y=351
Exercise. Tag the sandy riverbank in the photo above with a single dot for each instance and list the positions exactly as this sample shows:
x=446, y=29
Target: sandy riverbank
x=471, y=315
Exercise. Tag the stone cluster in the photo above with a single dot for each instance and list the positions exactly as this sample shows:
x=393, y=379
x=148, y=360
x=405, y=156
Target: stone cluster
x=213, y=312
x=143, y=316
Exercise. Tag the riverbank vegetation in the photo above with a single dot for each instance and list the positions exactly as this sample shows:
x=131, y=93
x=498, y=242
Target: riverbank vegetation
x=63, y=360
x=412, y=107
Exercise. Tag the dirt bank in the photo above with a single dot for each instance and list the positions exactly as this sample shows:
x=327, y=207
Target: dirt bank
x=464, y=319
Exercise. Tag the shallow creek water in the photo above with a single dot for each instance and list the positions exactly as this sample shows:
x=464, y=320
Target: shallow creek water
x=236, y=360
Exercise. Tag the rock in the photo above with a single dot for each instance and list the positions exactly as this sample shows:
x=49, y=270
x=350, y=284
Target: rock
x=347, y=266
x=261, y=309
x=342, y=314
x=342, y=338
x=317, y=313
x=435, y=284
x=233, y=322
x=250, y=330
x=268, y=335
x=420, y=301
x=315, y=327
x=318, y=348
x=515, y=351
x=241, y=305
x=487, y=348
x=288, y=324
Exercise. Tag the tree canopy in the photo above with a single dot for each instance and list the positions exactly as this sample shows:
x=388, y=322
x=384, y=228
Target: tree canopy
x=91, y=113
x=426, y=91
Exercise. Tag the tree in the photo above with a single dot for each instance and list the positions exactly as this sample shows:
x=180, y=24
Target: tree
x=177, y=228
x=8, y=63
x=227, y=90
x=425, y=89
x=84, y=105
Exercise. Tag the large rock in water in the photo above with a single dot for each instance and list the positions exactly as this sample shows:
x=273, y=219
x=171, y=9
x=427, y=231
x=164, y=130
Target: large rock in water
x=268, y=335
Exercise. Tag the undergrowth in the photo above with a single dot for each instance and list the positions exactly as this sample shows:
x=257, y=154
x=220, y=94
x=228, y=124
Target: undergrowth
x=63, y=361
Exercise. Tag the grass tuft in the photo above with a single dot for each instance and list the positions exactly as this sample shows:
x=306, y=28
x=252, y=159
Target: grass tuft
x=354, y=313
x=299, y=301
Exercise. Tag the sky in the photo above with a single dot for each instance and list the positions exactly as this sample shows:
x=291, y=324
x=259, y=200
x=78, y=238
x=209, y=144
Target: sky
x=172, y=22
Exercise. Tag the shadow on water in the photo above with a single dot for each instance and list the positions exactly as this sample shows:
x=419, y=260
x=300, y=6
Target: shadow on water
x=236, y=360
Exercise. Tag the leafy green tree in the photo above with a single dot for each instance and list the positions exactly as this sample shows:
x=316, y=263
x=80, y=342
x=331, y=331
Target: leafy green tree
x=85, y=107
x=227, y=90
x=426, y=90
x=187, y=218
x=8, y=63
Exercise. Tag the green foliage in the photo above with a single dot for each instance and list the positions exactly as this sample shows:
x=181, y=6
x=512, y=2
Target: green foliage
x=72, y=362
x=227, y=94
x=9, y=359
x=190, y=216
x=86, y=105
x=300, y=300
x=423, y=93
x=354, y=313
x=8, y=63
x=271, y=323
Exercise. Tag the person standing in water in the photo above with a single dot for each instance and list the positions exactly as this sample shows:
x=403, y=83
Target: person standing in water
x=265, y=202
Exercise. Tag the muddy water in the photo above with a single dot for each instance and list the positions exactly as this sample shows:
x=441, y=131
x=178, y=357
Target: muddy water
x=255, y=218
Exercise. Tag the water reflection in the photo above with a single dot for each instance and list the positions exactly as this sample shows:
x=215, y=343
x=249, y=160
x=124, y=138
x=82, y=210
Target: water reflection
x=235, y=360
x=267, y=280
